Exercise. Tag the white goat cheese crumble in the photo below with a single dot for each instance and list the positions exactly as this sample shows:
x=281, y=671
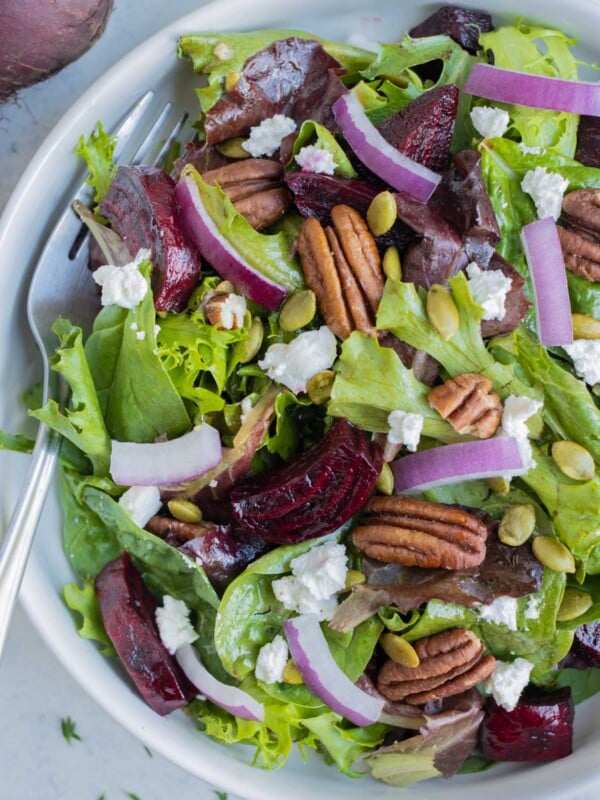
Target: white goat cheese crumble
x=271, y=661
x=295, y=363
x=317, y=576
x=546, y=189
x=405, y=428
x=174, y=626
x=517, y=410
x=233, y=311
x=503, y=611
x=266, y=138
x=507, y=681
x=245, y=408
x=586, y=359
x=532, y=609
x=141, y=503
x=490, y=121
x=489, y=289
x=313, y=158
x=123, y=286
x=527, y=150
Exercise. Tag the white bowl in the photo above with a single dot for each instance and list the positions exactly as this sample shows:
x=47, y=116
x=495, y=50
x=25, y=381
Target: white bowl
x=28, y=217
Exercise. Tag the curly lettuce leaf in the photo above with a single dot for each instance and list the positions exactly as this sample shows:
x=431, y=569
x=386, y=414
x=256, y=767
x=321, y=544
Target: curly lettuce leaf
x=98, y=153
x=536, y=51
x=270, y=254
x=371, y=381
x=83, y=601
x=138, y=399
x=313, y=133
x=82, y=422
x=382, y=98
x=15, y=442
x=200, y=48
x=584, y=295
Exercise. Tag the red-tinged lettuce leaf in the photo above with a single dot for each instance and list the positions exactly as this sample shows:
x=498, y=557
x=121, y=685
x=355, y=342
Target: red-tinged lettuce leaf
x=439, y=749
x=294, y=77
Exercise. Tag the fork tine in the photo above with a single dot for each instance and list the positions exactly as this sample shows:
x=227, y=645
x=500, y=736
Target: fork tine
x=151, y=137
x=170, y=140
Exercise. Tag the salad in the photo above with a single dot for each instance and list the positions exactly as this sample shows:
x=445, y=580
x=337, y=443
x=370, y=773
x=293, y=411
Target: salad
x=329, y=465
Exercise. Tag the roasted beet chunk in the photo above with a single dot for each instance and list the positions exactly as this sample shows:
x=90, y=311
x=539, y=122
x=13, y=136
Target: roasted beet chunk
x=587, y=643
x=295, y=77
x=423, y=129
x=464, y=25
x=314, y=494
x=128, y=609
x=140, y=207
x=539, y=728
x=588, y=141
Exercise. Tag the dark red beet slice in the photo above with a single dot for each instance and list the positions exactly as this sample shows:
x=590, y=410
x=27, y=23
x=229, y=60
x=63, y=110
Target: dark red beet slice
x=587, y=643
x=140, y=206
x=315, y=194
x=344, y=451
x=464, y=25
x=588, y=141
x=128, y=610
x=423, y=129
x=540, y=727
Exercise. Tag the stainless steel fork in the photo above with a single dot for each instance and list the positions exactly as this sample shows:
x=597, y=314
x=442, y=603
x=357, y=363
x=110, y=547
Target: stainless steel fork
x=62, y=286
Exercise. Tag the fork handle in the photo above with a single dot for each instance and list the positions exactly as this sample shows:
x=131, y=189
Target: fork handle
x=16, y=545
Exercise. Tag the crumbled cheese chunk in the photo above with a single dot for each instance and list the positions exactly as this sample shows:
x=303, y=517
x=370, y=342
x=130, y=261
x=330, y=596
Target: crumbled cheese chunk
x=532, y=609
x=313, y=158
x=233, y=311
x=503, y=611
x=295, y=363
x=266, y=138
x=405, y=428
x=271, y=661
x=222, y=52
x=508, y=680
x=546, y=189
x=586, y=359
x=141, y=503
x=489, y=289
x=156, y=330
x=517, y=410
x=123, y=286
x=174, y=626
x=246, y=408
x=440, y=610
x=317, y=576
x=133, y=326
x=490, y=121
x=534, y=151
x=140, y=335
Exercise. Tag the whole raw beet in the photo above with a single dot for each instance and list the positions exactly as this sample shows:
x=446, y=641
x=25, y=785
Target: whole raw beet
x=128, y=611
x=40, y=37
x=140, y=206
x=314, y=494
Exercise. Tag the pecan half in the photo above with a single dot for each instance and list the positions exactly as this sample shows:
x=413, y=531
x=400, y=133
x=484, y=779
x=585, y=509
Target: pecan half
x=417, y=533
x=255, y=187
x=580, y=238
x=184, y=531
x=451, y=662
x=468, y=403
x=341, y=264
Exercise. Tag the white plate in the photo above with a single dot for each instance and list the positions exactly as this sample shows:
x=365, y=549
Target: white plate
x=27, y=219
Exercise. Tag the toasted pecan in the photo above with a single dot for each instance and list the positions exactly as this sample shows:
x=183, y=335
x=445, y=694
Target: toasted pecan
x=580, y=239
x=468, y=403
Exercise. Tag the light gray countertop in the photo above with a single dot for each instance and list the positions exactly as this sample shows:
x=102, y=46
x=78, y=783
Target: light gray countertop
x=36, y=693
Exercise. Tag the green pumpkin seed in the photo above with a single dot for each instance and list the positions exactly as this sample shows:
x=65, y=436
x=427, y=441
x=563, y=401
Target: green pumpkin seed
x=291, y=674
x=442, y=311
x=232, y=148
x=573, y=460
x=399, y=650
x=575, y=602
x=320, y=385
x=249, y=348
x=382, y=213
x=185, y=510
x=392, y=266
x=585, y=327
x=385, y=481
x=231, y=80
x=498, y=485
x=517, y=525
x=553, y=554
x=354, y=578
x=298, y=310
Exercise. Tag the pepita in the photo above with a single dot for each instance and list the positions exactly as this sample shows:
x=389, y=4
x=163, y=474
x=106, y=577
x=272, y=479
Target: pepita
x=232, y=148
x=517, y=525
x=585, y=327
x=185, y=510
x=298, y=310
x=498, y=485
x=382, y=213
x=399, y=650
x=291, y=674
x=253, y=342
x=553, y=554
x=385, y=481
x=354, y=578
x=575, y=602
x=392, y=266
x=573, y=460
x=231, y=79
x=442, y=311
x=320, y=385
